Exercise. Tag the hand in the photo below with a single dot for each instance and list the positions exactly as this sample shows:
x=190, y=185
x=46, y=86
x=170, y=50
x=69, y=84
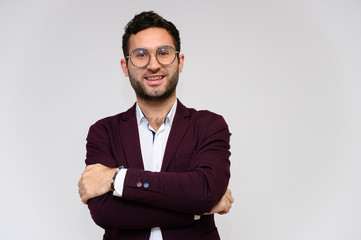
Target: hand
x=224, y=205
x=95, y=181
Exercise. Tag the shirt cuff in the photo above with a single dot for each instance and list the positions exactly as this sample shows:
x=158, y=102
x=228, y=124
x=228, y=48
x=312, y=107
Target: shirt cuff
x=197, y=217
x=119, y=183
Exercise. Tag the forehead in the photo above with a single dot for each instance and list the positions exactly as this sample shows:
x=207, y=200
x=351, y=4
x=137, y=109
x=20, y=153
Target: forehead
x=150, y=38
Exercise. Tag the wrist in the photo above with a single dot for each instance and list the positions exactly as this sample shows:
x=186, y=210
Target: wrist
x=115, y=173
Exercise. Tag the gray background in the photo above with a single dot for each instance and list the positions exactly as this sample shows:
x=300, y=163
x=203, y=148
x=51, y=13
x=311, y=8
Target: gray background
x=284, y=74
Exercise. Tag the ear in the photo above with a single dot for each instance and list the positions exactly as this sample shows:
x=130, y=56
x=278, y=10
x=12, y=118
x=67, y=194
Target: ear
x=181, y=62
x=123, y=64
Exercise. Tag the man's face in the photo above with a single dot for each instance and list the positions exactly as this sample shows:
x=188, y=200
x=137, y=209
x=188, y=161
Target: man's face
x=154, y=81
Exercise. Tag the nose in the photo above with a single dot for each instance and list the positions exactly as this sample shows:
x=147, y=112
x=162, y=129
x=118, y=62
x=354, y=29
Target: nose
x=153, y=64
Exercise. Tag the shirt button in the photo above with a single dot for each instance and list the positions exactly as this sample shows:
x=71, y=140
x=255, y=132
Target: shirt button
x=139, y=184
x=146, y=185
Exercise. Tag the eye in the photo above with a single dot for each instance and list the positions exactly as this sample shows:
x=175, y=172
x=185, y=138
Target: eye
x=164, y=51
x=140, y=53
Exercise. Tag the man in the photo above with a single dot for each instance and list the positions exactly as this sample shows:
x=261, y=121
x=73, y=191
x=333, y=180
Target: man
x=159, y=170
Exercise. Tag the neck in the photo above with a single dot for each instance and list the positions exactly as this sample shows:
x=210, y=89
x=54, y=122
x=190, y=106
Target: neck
x=156, y=110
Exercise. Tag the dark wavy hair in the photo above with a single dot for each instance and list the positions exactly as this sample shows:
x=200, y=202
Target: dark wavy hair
x=146, y=20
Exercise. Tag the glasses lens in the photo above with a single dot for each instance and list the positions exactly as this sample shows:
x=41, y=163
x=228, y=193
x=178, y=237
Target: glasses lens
x=139, y=57
x=166, y=55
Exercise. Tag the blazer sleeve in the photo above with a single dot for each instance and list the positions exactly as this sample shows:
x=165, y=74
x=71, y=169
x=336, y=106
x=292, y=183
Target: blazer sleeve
x=196, y=190
x=109, y=211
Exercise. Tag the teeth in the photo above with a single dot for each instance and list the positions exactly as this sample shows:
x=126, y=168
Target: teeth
x=155, y=78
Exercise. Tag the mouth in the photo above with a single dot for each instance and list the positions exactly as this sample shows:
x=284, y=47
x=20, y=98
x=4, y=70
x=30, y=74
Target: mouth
x=154, y=79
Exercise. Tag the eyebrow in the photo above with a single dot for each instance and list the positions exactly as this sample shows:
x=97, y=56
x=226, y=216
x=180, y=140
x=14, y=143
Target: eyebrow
x=155, y=48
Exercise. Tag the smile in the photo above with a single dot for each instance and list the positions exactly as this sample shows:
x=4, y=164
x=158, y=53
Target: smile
x=154, y=78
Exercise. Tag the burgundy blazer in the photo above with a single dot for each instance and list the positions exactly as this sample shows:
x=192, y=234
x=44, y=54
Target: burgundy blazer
x=193, y=178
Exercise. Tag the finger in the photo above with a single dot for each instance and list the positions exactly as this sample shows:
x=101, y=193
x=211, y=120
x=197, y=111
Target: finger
x=84, y=200
x=80, y=182
x=229, y=191
x=80, y=185
x=228, y=194
x=229, y=206
x=81, y=192
x=229, y=198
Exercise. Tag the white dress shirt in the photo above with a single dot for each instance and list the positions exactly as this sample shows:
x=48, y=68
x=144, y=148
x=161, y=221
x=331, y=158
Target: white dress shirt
x=153, y=145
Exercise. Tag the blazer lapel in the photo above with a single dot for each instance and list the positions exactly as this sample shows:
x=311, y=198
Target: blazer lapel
x=130, y=138
x=180, y=125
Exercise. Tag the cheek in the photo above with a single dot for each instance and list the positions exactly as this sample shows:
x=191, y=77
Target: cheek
x=131, y=71
x=135, y=74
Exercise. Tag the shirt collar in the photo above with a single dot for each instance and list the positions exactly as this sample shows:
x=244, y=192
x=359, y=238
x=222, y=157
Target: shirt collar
x=168, y=119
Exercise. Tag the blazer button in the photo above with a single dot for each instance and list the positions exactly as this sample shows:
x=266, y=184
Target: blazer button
x=146, y=185
x=139, y=184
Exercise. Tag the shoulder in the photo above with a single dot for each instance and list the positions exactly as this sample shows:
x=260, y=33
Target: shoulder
x=198, y=115
x=108, y=121
x=207, y=126
x=206, y=116
x=208, y=121
x=111, y=123
x=202, y=118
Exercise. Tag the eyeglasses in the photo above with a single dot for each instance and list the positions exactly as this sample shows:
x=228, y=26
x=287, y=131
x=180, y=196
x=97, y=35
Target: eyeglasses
x=140, y=57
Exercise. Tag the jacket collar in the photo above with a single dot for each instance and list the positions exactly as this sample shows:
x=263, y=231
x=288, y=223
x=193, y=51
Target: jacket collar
x=130, y=136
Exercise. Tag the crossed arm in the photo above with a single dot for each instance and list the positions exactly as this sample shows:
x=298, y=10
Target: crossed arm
x=96, y=180
x=168, y=206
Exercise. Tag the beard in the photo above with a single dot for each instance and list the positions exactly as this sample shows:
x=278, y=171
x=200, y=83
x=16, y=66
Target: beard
x=161, y=94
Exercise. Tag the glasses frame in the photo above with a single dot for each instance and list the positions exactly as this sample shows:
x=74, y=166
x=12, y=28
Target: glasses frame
x=150, y=56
